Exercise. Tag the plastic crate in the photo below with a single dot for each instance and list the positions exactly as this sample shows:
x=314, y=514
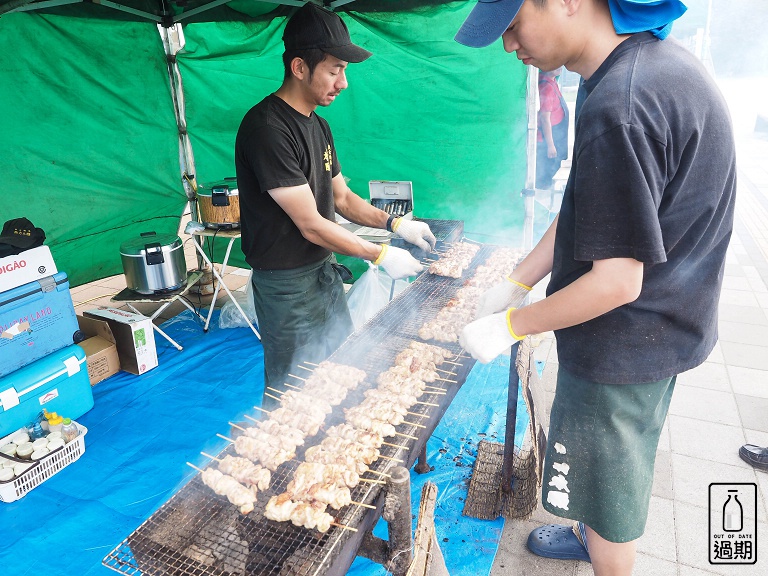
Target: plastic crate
x=14, y=489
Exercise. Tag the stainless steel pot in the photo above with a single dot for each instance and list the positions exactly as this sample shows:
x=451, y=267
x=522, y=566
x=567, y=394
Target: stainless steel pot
x=153, y=263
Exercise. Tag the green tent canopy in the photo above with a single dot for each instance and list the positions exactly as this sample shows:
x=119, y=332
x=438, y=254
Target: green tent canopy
x=90, y=148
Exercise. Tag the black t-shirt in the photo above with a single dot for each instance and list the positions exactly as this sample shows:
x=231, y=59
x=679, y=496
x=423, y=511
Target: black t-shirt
x=653, y=178
x=277, y=146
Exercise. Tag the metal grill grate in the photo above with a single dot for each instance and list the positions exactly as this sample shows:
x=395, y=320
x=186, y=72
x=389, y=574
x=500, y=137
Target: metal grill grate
x=199, y=533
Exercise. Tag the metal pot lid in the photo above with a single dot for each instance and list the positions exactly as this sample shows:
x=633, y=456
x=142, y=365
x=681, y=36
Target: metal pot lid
x=137, y=246
x=227, y=186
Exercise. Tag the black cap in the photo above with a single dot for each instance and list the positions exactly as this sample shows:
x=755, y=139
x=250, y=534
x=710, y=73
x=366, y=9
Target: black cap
x=18, y=235
x=314, y=27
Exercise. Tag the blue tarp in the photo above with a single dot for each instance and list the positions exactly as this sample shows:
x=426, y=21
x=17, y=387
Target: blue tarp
x=142, y=430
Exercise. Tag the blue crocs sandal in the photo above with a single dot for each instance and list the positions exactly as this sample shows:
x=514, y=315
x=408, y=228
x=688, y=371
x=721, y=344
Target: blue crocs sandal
x=559, y=542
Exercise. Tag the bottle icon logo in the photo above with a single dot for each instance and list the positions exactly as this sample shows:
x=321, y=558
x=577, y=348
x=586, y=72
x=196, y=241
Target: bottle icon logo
x=733, y=513
x=732, y=523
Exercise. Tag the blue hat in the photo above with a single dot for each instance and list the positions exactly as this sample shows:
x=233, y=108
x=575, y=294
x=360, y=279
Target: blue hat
x=487, y=22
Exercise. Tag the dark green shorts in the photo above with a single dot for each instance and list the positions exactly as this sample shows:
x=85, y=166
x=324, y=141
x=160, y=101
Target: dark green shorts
x=601, y=450
x=303, y=317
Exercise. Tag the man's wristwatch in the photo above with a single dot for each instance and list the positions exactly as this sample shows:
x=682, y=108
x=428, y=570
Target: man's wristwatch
x=389, y=222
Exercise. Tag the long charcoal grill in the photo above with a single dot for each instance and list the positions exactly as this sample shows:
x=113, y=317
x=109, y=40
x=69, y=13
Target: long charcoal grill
x=199, y=533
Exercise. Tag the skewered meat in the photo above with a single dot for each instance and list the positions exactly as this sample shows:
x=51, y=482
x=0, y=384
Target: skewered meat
x=269, y=456
x=382, y=413
x=245, y=471
x=455, y=260
x=292, y=435
x=365, y=422
x=308, y=424
x=346, y=376
x=382, y=394
x=360, y=451
x=309, y=473
x=225, y=485
x=334, y=496
x=307, y=514
x=349, y=432
x=307, y=405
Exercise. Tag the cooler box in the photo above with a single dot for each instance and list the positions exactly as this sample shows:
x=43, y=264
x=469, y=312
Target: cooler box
x=35, y=319
x=59, y=383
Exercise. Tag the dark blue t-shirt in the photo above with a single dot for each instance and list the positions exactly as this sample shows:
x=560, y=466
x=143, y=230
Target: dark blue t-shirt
x=653, y=178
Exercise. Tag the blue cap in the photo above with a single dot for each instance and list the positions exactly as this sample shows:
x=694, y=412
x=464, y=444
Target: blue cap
x=487, y=22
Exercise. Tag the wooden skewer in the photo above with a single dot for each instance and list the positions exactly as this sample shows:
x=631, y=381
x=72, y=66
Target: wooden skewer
x=389, y=458
x=262, y=409
x=446, y=380
x=211, y=457
x=305, y=368
x=370, y=481
x=424, y=403
x=225, y=438
x=439, y=388
x=363, y=505
x=236, y=426
x=445, y=371
x=275, y=390
x=406, y=435
x=310, y=363
x=436, y=391
x=454, y=363
x=395, y=445
x=195, y=467
x=297, y=377
x=273, y=397
x=343, y=526
x=251, y=418
x=413, y=424
x=292, y=386
x=379, y=473
x=417, y=414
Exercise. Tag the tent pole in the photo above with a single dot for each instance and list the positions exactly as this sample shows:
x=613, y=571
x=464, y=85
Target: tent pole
x=529, y=192
x=173, y=42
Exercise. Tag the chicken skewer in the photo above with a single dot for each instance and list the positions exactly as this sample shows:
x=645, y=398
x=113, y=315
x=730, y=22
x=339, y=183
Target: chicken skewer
x=225, y=485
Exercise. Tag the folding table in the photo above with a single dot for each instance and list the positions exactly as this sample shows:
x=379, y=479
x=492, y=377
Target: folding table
x=129, y=296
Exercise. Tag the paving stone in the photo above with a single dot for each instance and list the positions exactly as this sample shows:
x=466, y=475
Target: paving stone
x=659, y=540
x=742, y=333
x=749, y=382
x=707, y=375
x=746, y=355
x=692, y=477
x=754, y=412
x=662, y=475
x=706, y=440
x=703, y=404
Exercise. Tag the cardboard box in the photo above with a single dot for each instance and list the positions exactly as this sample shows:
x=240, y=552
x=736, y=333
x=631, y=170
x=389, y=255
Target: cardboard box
x=100, y=349
x=134, y=337
x=28, y=266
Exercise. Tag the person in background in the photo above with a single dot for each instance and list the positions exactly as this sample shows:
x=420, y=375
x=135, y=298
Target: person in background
x=636, y=256
x=291, y=185
x=552, y=134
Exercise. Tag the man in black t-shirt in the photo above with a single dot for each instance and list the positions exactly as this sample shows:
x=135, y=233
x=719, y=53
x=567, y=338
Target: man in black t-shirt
x=636, y=256
x=291, y=186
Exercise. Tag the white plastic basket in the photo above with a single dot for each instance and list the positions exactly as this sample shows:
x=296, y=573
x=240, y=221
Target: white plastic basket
x=44, y=468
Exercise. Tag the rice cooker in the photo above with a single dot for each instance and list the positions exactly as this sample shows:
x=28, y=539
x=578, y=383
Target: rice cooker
x=154, y=263
x=219, y=204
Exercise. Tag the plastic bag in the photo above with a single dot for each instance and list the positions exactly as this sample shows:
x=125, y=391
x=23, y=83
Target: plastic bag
x=370, y=294
x=230, y=316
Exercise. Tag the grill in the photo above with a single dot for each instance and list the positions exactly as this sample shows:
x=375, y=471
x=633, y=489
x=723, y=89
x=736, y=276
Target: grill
x=199, y=533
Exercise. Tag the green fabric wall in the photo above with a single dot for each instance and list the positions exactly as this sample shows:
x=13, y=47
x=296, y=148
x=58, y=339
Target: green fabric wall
x=422, y=108
x=89, y=149
x=88, y=144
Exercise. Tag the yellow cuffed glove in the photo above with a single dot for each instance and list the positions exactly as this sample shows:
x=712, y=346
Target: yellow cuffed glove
x=489, y=336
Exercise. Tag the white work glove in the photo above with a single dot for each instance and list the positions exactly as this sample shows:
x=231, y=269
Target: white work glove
x=508, y=294
x=398, y=263
x=488, y=337
x=417, y=233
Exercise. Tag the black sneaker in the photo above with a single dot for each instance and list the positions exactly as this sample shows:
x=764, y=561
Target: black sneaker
x=756, y=456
